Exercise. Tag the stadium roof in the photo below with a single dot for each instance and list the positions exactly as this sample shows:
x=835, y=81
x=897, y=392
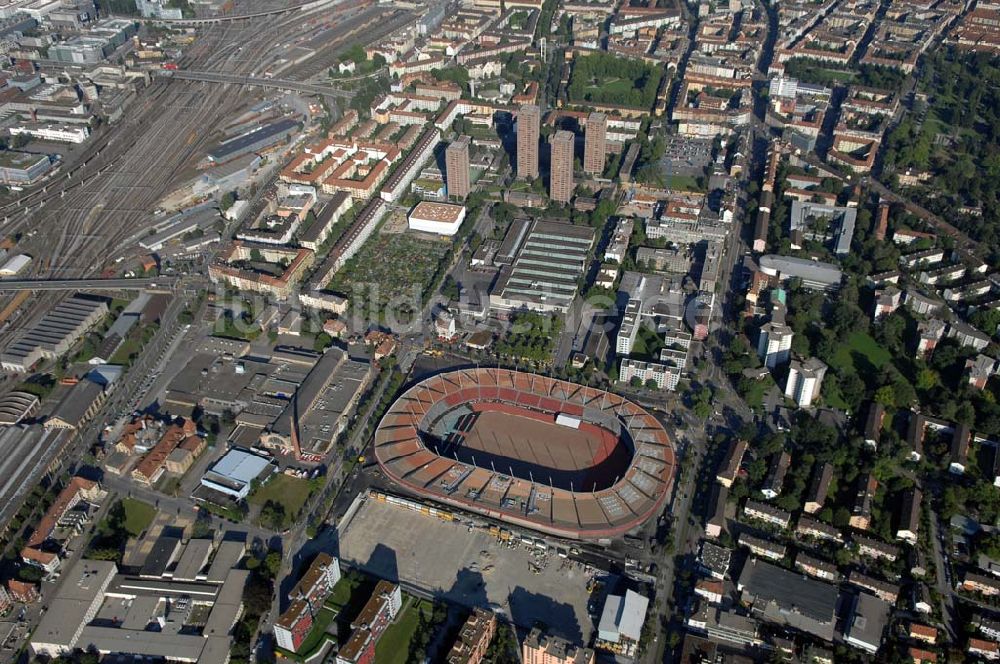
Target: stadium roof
x=636, y=495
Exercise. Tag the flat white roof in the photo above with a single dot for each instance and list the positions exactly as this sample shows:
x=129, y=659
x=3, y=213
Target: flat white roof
x=444, y=213
x=240, y=466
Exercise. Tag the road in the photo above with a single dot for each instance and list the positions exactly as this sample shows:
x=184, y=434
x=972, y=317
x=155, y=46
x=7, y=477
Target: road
x=155, y=283
x=259, y=82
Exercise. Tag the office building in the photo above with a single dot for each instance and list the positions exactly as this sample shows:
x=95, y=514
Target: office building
x=595, y=144
x=456, y=160
x=528, y=123
x=561, y=173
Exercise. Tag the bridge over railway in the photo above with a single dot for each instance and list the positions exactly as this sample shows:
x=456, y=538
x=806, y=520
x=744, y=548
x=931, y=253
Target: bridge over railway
x=256, y=81
x=156, y=284
x=224, y=18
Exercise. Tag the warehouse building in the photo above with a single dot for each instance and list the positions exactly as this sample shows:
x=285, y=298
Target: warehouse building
x=317, y=413
x=257, y=139
x=545, y=274
x=55, y=333
x=235, y=472
x=21, y=168
x=97, y=609
x=15, y=265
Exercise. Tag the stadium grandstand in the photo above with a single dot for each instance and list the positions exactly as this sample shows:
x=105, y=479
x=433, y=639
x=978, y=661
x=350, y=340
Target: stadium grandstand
x=565, y=459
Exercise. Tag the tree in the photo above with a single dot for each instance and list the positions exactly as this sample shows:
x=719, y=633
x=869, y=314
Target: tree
x=450, y=288
x=257, y=594
x=272, y=515
x=885, y=395
x=272, y=563
x=227, y=201
x=29, y=574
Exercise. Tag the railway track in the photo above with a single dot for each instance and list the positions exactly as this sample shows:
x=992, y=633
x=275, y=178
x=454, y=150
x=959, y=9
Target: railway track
x=83, y=215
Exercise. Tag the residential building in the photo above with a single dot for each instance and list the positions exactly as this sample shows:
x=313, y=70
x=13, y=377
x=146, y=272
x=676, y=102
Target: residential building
x=730, y=466
x=958, y=453
x=474, y=638
x=371, y=623
x=528, y=125
x=595, y=145
x=818, y=489
x=909, y=516
x=861, y=511
x=873, y=424
x=456, y=159
x=540, y=648
x=629, y=329
x=561, y=163
x=78, y=491
x=816, y=568
x=873, y=548
x=774, y=341
x=813, y=528
x=989, y=650
x=761, y=547
x=805, y=378
x=886, y=301
x=888, y=592
x=764, y=512
x=776, y=475
x=979, y=370
x=714, y=560
x=986, y=585
x=711, y=589
x=716, y=521
x=921, y=632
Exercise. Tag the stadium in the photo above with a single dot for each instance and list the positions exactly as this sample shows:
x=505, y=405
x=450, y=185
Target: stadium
x=564, y=459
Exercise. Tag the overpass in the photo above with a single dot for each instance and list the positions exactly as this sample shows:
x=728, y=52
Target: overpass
x=256, y=81
x=156, y=284
x=224, y=18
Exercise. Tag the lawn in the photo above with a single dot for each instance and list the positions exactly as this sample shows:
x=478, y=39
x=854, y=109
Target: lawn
x=861, y=353
x=604, y=78
x=317, y=635
x=684, y=183
x=290, y=492
x=393, y=647
x=647, y=346
x=138, y=516
x=611, y=86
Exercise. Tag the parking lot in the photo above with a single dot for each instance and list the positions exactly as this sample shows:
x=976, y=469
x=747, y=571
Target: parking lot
x=469, y=567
